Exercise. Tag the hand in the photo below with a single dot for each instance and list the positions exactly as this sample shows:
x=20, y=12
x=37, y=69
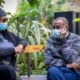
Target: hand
x=63, y=33
x=18, y=49
x=74, y=65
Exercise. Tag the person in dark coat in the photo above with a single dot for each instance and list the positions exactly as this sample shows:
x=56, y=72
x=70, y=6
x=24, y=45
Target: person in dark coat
x=10, y=46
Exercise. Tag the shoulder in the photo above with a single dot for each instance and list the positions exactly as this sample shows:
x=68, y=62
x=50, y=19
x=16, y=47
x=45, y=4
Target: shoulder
x=51, y=40
x=74, y=36
x=11, y=33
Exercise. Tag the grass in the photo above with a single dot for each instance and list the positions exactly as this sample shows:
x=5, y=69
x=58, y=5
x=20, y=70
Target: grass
x=38, y=72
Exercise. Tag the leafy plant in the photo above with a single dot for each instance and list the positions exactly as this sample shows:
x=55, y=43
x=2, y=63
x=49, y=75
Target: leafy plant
x=76, y=20
x=33, y=33
x=2, y=2
x=32, y=22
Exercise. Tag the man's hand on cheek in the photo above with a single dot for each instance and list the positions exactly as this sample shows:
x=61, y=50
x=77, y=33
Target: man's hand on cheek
x=63, y=33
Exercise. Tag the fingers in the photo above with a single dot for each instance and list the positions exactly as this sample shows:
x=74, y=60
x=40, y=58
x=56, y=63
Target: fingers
x=75, y=66
x=70, y=66
x=63, y=30
x=18, y=50
x=63, y=33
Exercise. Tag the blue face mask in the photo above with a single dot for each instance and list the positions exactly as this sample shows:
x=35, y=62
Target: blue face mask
x=3, y=26
x=56, y=33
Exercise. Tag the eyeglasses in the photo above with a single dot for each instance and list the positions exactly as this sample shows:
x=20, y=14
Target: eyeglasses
x=3, y=20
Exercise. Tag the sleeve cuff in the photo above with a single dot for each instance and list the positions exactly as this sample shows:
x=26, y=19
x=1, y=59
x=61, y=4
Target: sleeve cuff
x=23, y=43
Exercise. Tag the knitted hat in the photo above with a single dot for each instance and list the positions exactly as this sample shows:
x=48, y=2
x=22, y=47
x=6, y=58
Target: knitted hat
x=2, y=13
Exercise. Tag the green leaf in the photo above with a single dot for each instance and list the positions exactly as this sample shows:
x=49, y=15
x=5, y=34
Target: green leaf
x=41, y=65
x=76, y=20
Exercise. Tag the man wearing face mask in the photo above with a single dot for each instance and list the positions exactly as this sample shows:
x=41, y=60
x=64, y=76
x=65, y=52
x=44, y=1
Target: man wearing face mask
x=62, y=53
x=10, y=46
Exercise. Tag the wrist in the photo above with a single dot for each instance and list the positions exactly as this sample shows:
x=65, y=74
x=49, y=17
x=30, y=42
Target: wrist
x=20, y=45
x=62, y=36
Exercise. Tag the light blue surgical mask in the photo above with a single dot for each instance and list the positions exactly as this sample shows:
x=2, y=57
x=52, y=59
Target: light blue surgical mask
x=56, y=33
x=3, y=26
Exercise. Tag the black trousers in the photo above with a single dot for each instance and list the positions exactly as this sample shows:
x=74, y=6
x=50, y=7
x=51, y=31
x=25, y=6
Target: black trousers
x=7, y=72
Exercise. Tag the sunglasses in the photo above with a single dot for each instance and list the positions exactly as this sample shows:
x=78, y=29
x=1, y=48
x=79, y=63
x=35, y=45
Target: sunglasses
x=4, y=20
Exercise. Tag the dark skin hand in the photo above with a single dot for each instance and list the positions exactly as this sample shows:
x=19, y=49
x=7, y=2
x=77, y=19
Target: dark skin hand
x=18, y=49
x=74, y=65
x=63, y=32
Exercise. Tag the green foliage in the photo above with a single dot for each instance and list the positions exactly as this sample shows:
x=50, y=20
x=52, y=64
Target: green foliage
x=33, y=2
x=32, y=22
x=76, y=20
x=2, y=2
x=33, y=33
x=39, y=72
x=61, y=1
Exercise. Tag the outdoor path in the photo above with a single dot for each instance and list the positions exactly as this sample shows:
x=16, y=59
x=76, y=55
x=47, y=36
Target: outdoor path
x=34, y=77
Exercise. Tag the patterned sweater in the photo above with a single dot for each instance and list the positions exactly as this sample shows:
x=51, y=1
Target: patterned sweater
x=60, y=52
